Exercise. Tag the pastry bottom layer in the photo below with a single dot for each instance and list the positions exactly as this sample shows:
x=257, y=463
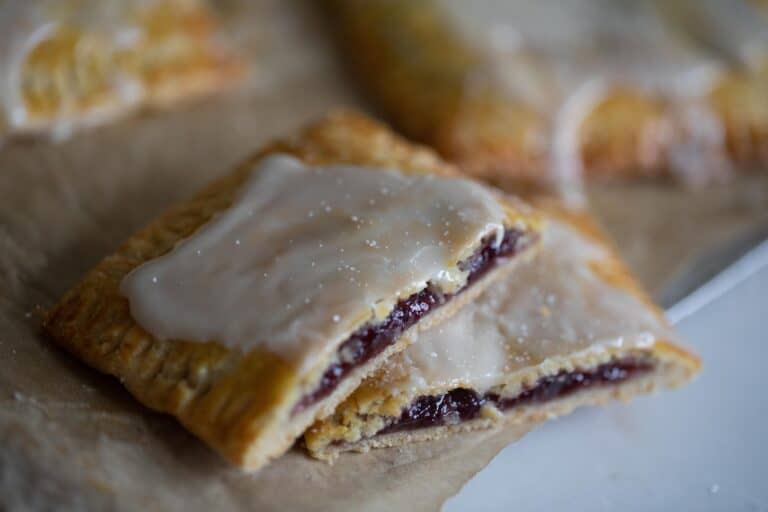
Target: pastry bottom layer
x=459, y=405
x=369, y=341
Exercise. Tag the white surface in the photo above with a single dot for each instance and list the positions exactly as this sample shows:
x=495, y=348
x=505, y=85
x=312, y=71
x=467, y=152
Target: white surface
x=703, y=447
x=746, y=266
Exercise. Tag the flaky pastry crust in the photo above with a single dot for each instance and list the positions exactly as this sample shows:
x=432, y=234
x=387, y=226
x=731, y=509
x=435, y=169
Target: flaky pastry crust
x=239, y=403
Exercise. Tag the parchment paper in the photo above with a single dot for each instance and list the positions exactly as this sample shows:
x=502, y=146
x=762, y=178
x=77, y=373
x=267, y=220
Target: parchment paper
x=73, y=439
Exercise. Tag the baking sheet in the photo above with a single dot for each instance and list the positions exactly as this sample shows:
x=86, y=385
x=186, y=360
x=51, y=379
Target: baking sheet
x=74, y=438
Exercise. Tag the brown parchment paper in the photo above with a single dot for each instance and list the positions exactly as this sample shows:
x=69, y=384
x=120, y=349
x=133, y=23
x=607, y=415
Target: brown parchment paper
x=72, y=439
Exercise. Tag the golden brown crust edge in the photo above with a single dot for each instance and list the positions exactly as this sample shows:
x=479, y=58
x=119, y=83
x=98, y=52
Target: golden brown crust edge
x=229, y=400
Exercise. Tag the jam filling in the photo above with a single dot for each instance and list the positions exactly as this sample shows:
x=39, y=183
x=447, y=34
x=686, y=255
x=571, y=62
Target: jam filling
x=464, y=404
x=371, y=340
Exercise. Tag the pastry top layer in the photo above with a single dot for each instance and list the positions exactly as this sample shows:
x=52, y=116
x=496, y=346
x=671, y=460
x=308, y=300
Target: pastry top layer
x=240, y=403
x=563, y=304
x=307, y=254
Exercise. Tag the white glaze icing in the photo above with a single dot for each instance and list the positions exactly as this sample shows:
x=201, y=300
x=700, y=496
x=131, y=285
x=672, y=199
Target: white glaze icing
x=306, y=255
x=565, y=155
x=553, y=307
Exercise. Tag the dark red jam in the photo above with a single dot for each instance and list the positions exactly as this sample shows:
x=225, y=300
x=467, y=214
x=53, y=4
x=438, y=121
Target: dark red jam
x=371, y=340
x=463, y=404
